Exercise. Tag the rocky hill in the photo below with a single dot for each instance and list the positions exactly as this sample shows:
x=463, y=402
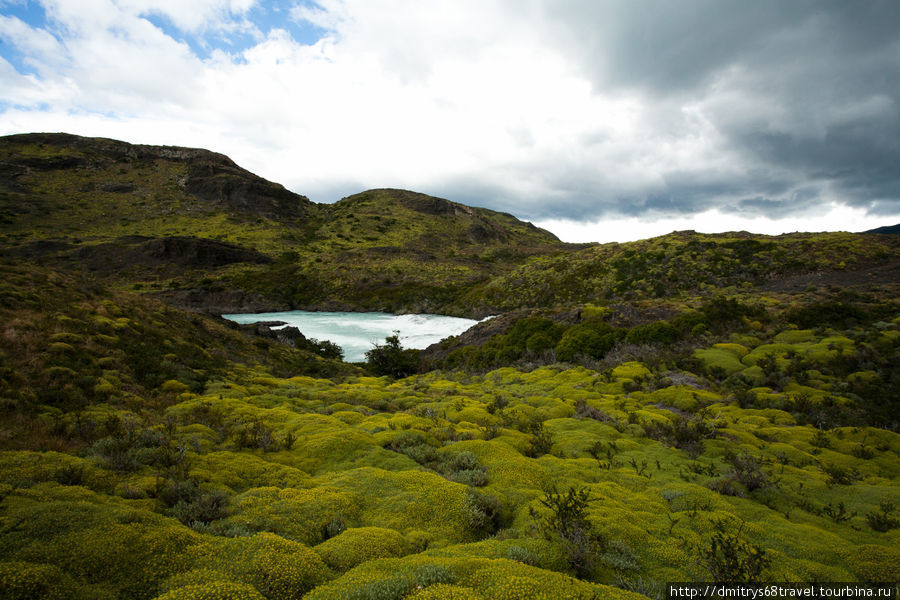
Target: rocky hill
x=193, y=227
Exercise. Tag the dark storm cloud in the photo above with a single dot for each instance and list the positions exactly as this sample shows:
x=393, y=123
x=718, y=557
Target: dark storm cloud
x=804, y=94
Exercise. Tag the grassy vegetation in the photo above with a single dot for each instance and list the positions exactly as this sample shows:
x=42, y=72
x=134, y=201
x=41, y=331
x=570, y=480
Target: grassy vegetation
x=662, y=411
x=79, y=202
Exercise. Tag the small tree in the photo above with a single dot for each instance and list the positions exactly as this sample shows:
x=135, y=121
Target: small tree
x=728, y=557
x=567, y=523
x=392, y=359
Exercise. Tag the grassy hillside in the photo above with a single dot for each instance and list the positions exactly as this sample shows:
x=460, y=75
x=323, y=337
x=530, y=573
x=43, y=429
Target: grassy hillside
x=691, y=263
x=192, y=226
x=70, y=344
x=686, y=408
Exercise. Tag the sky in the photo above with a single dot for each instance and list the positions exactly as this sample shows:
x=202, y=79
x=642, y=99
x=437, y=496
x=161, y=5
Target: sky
x=600, y=120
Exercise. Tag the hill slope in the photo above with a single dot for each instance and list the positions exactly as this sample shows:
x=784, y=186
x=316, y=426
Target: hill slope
x=892, y=229
x=191, y=225
x=690, y=263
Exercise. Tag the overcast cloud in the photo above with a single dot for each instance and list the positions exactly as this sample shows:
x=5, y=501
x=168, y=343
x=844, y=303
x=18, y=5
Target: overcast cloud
x=602, y=120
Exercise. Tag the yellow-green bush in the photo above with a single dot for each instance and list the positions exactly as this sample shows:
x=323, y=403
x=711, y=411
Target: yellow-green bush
x=407, y=500
x=873, y=562
x=720, y=358
x=215, y=590
x=357, y=545
x=297, y=514
x=630, y=370
x=241, y=470
x=510, y=580
x=24, y=469
x=444, y=591
x=277, y=568
x=31, y=581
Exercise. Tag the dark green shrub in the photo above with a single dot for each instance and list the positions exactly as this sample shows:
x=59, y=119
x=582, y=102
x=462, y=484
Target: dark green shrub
x=683, y=432
x=524, y=329
x=838, y=513
x=69, y=475
x=620, y=557
x=414, y=445
x=567, y=524
x=729, y=558
x=541, y=441
x=191, y=504
x=540, y=342
x=256, y=434
x=327, y=349
x=838, y=475
x=686, y=323
x=722, y=311
x=883, y=520
x=659, y=332
x=583, y=340
x=130, y=450
x=485, y=515
x=464, y=468
x=747, y=470
x=821, y=314
x=392, y=359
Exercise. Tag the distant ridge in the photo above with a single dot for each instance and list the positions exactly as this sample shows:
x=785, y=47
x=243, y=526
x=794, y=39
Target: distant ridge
x=893, y=229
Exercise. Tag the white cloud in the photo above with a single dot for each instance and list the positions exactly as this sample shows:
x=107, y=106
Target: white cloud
x=191, y=15
x=834, y=217
x=37, y=46
x=495, y=103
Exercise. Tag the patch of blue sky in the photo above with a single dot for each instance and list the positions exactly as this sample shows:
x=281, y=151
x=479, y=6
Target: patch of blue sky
x=244, y=31
x=276, y=15
x=26, y=10
x=32, y=14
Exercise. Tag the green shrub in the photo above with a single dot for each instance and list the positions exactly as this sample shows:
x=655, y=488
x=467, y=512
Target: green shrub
x=721, y=311
x=485, y=514
x=391, y=359
x=583, y=340
x=883, y=520
x=278, y=568
x=821, y=314
x=684, y=432
x=659, y=332
x=525, y=329
x=567, y=524
x=214, y=590
x=191, y=504
x=727, y=557
x=358, y=545
x=30, y=581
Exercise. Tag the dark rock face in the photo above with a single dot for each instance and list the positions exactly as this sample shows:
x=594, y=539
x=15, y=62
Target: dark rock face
x=481, y=233
x=430, y=205
x=212, y=177
x=197, y=252
x=220, y=301
x=289, y=336
x=238, y=190
x=118, y=188
x=133, y=251
x=38, y=249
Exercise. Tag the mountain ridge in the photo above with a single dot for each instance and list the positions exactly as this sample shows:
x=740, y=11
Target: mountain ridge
x=192, y=227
